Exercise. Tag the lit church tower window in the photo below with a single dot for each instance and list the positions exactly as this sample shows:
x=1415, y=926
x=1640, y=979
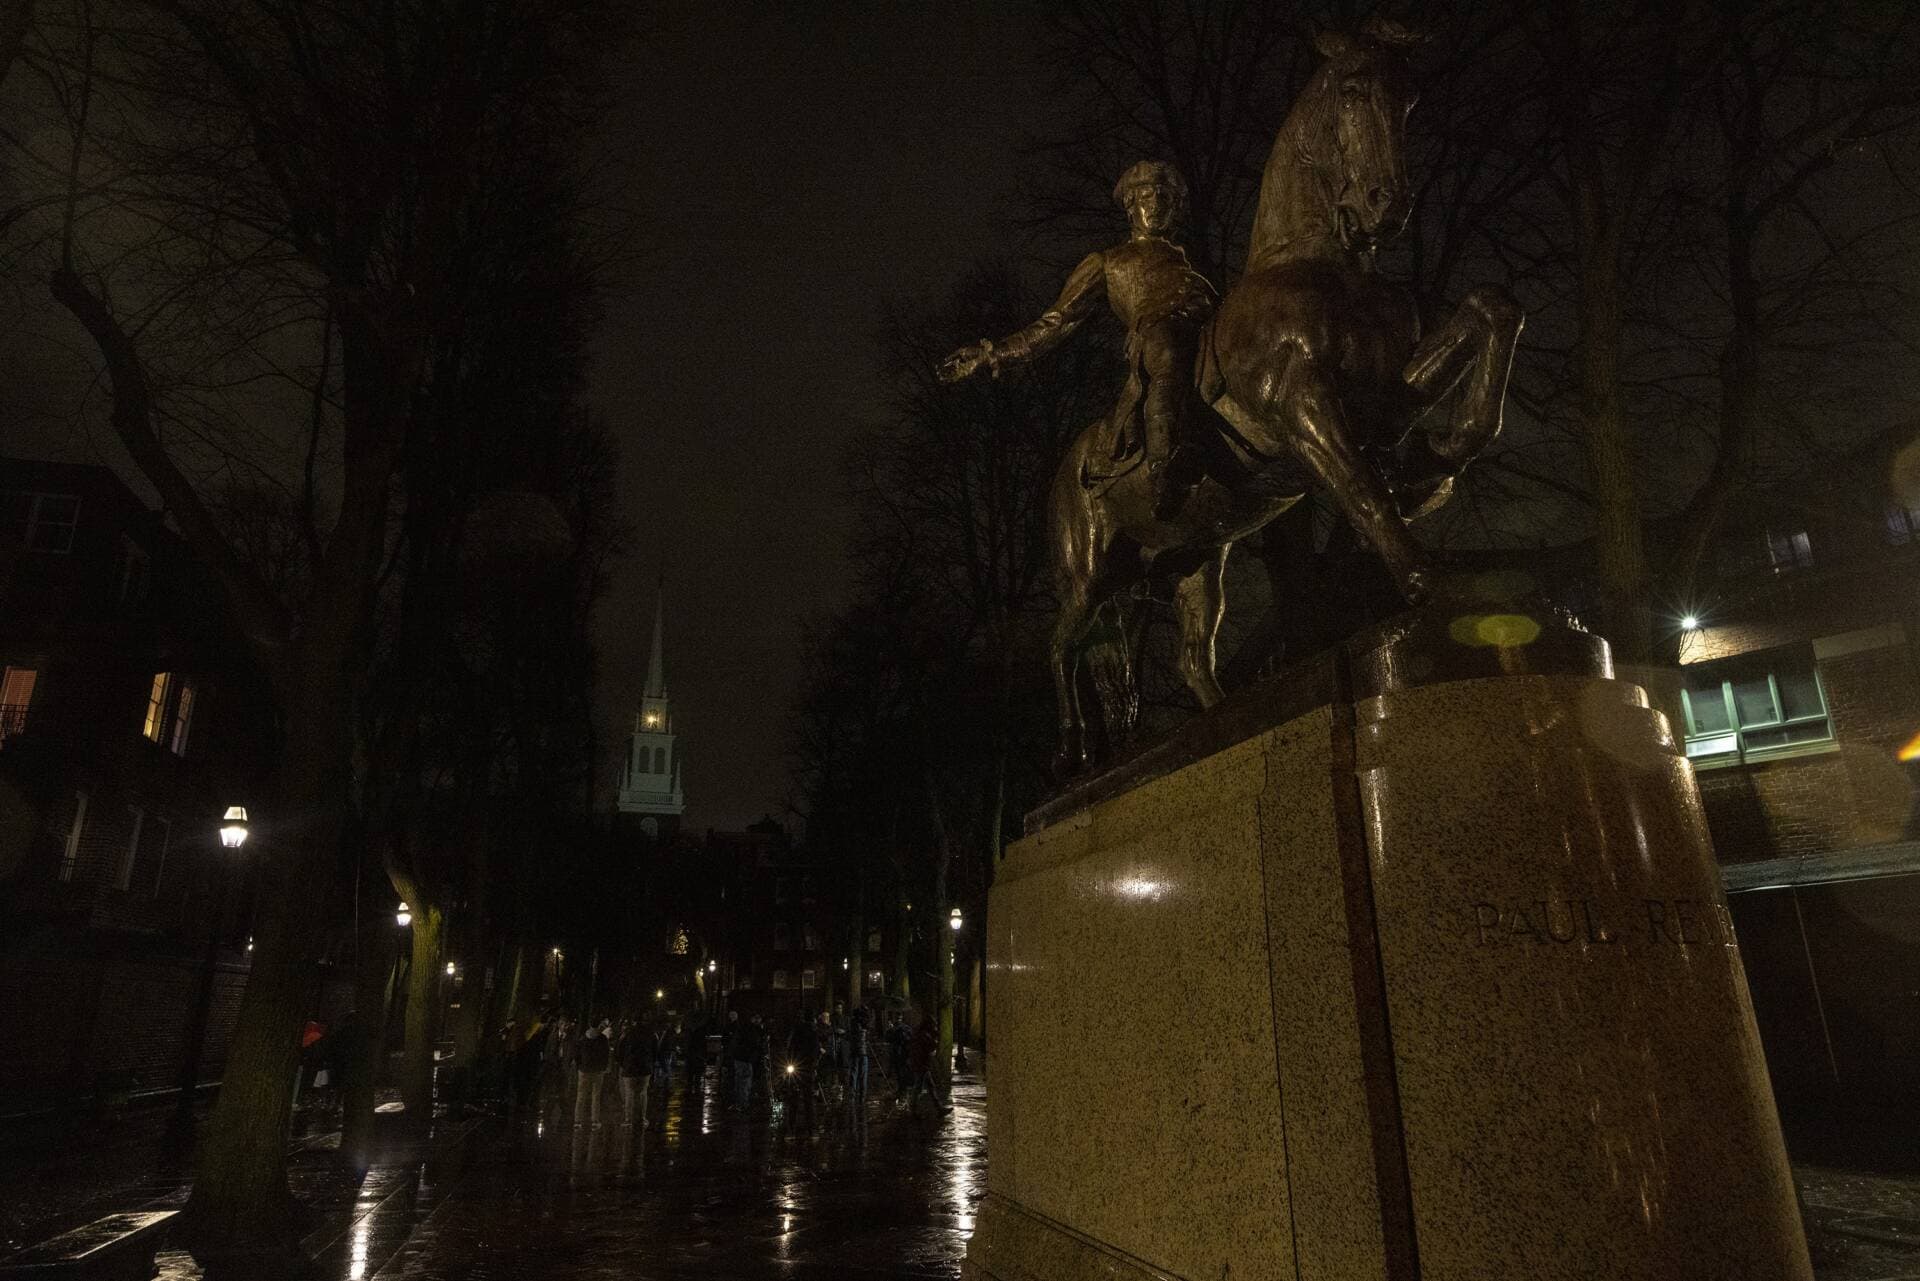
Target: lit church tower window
x=650, y=785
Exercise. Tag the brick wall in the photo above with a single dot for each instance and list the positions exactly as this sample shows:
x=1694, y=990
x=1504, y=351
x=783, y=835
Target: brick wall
x=1857, y=795
x=74, y=1023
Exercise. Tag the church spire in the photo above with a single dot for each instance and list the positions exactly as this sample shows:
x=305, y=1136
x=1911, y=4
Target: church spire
x=650, y=784
x=656, y=665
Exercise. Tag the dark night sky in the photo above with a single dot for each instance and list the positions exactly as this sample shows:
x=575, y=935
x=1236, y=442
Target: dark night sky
x=790, y=170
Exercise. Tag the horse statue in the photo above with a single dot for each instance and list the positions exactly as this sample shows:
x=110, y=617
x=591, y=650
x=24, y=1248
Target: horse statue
x=1318, y=370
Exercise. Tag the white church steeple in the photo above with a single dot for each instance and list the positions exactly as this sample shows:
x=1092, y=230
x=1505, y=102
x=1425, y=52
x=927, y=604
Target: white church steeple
x=650, y=784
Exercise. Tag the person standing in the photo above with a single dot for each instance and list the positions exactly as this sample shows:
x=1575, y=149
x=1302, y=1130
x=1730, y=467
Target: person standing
x=632, y=1055
x=761, y=1073
x=660, y=1051
x=729, y=1032
x=696, y=1055
x=859, y=1055
x=803, y=1052
x=921, y=1052
x=740, y=1051
x=596, y=1052
x=897, y=1038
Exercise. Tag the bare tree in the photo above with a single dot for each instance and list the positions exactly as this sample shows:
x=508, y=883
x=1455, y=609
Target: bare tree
x=326, y=153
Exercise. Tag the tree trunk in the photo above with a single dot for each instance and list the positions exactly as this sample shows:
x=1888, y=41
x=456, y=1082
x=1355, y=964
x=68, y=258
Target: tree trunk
x=374, y=977
x=423, y=1010
x=943, y=936
x=977, y=1004
x=903, y=952
x=240, y=1201
x=1626, y=614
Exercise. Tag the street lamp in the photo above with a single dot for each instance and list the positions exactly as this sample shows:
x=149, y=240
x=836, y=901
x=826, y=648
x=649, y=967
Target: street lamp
x=451, y=968
x=659, y=994
x=953, y=918
x=403, y=915
x=233, y=834
x=233, y=828
x=712, y=966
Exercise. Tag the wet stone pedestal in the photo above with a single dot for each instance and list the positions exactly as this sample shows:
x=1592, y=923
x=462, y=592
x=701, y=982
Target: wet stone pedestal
x=1412, y=963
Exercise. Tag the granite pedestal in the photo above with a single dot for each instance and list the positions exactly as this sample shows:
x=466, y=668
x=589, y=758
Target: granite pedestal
x=1412, y=963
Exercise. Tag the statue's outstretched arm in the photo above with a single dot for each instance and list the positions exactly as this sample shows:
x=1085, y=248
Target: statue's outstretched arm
x=1078, y=299
x=1076, y=302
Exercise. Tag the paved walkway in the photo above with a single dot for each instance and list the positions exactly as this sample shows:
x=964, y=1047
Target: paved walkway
x=703, y=1193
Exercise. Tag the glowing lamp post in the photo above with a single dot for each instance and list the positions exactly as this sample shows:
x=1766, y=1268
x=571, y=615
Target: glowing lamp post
x=233, y=828
x=233, y=834
x=953, y=919
x=403, y=915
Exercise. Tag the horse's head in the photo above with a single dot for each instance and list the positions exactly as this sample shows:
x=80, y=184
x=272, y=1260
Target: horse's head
x=1364, y=93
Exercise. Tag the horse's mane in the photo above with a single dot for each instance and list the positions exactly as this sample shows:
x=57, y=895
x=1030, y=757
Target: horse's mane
x=1304, y=143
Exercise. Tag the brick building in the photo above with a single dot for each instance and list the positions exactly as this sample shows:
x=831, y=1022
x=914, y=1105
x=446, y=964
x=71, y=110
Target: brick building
x=123, y=723
x=784, y=940
x=1800, y=707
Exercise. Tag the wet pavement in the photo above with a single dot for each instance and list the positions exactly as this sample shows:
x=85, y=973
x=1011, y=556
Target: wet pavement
x=703, y=1192
x=699, y=1192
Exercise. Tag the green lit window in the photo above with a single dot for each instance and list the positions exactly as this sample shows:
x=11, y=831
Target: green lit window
x=1755, y=712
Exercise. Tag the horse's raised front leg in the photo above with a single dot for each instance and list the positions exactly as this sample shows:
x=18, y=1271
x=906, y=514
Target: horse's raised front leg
x=1308, y=410
x=1200, y=602
x=1473, y=351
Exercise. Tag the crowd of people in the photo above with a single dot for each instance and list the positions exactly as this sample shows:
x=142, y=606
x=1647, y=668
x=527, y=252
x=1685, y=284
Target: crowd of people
x=825, y=1060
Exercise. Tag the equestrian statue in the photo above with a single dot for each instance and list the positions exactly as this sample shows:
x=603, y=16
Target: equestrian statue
x=1316, y=370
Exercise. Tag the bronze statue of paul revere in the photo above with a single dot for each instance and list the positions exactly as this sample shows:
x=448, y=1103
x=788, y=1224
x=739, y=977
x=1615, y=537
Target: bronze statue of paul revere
x=1318, y=371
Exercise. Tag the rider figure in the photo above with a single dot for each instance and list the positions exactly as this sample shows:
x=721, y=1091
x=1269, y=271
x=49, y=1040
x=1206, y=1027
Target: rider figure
x=1163, y=302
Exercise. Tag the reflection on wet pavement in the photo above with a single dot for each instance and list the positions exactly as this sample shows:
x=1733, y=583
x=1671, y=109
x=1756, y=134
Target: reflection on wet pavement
x=699, y=1192
x=702, y=1193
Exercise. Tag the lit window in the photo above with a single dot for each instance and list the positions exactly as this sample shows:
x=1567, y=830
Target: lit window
x=1789, y=549
x=1755, y=711
x=809, y=977
x=876, y=979
x=873, y=940
x=182, y=719
x=16, y=695
x=156, y=722
x=780, y=978
x=811, y=937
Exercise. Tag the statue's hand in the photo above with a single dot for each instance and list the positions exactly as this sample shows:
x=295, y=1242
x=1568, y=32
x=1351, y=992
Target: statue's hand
x=962, y=363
